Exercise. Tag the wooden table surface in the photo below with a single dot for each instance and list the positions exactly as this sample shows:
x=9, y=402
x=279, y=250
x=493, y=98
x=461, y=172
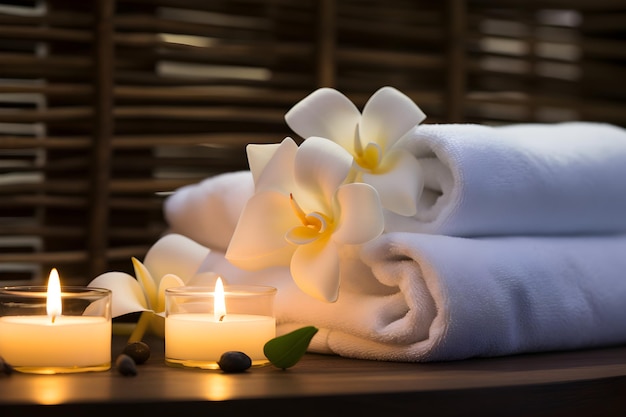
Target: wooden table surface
x=591, y=382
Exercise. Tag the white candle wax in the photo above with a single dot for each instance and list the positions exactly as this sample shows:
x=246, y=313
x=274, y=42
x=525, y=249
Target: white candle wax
x=71, y=341
x=200, y=337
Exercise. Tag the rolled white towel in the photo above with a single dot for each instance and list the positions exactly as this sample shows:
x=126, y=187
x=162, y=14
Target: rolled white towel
x=567, y=178
x=418, y=298
x=208, y=211
x=564, y=178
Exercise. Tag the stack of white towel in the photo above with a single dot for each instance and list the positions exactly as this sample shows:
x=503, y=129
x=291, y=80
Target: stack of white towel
x=519, y=245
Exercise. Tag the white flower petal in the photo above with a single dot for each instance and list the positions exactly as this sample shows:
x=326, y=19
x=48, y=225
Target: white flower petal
x=401, y=185
x=320, y=167
x=127, y=294
x=315, y=269
x=174, y=254
x=168, y=281
x=361, y=216
x=258, y=157
x=387, y=116
x=259, y=239
x=277, y=165
x=327, y=113
x=147, y=282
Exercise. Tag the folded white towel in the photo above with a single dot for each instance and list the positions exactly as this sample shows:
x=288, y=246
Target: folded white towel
x=567, y=178
x=416, y=297
x=518, y=179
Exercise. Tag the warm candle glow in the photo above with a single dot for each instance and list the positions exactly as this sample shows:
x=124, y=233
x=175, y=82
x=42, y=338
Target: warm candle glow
x=219, y=306
x=53, y=302
x=195, y=337
x=72, y=334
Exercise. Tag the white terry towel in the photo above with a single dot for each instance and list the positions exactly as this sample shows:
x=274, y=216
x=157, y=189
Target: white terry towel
x=415, y=297
x=561, y=178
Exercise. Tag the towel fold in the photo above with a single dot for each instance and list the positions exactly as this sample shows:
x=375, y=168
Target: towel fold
x=561, y=178
x=415, y=297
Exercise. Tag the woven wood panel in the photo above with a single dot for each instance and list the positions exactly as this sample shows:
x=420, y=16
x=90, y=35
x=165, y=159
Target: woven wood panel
x=108, y=106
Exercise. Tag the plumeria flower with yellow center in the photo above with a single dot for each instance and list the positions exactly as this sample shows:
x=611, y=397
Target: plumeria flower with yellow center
x=371, y=137
x=171, y=261
x=302, y=212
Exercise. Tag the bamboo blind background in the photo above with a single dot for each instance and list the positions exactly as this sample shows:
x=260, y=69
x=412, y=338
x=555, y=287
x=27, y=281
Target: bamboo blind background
x=107, y=106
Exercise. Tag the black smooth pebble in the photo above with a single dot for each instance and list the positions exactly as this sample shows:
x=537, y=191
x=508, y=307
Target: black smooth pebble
x=126, y=365
x=234, y=361
x=139, y=351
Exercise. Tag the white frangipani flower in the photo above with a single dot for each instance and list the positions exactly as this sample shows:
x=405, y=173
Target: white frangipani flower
x=172, y=261
x=302, y=211
x=371, y=139
x=131, y=295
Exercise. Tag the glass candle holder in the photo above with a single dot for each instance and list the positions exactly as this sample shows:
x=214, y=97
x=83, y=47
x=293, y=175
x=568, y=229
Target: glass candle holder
x=77, y=340
x=202, y=323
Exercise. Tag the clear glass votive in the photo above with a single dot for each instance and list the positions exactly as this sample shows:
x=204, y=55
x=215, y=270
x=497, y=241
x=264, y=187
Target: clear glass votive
x=77, y=340
x=199, y=329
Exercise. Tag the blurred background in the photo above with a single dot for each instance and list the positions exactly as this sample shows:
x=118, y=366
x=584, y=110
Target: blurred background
x=106, y=107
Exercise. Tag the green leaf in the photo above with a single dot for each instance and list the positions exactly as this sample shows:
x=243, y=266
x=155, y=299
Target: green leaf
x=286, y=350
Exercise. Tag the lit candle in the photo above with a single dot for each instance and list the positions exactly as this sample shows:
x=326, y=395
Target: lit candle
x=197, y=337
x=76, y=340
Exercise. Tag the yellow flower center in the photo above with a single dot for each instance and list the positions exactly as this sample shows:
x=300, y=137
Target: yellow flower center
x=369, y=157
x=314, y=225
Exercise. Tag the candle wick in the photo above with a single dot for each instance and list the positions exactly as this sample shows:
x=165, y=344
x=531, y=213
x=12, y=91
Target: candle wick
x=222, y=317
x=54, y=316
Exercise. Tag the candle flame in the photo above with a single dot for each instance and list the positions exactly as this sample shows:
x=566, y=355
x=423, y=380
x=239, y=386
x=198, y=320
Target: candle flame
x=219, y=303
x=53, y=302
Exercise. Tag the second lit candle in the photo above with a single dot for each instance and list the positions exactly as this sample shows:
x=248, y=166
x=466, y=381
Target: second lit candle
x=203, y=323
